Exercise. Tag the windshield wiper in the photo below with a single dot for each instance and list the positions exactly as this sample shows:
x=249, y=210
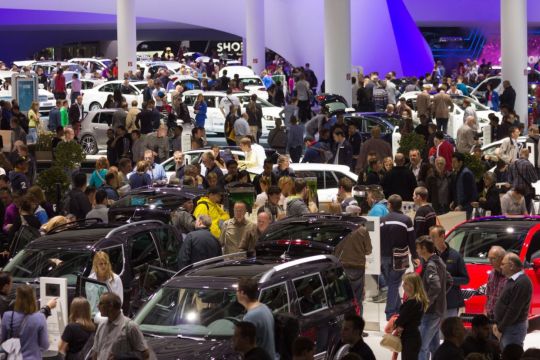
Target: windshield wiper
x=189, y=337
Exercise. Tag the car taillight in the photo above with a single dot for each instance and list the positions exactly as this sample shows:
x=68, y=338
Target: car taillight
x=320, y=98
x=356, y=307
x=293, y=242
x=310, y=333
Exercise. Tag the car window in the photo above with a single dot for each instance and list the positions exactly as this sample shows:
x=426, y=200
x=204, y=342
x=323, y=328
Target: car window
x=337, y=287
x=130, y=90
x=169, y=246
x=533, y=252
x=107, y=88
x=116, y=256
x=143, y=249
x=189, y=100
x=210, y=101
x=330, y=179
x=87, y=85
x=371, y=123
x=474, y=243
x=169, y=165
x=314, y=174
x=411, y=103
x=310, y=293
x=106, y=118
x=189, y=84
x=326, y=233
x=194, y=158
x=276, y=298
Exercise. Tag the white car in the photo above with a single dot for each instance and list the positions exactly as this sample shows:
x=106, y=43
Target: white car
x=254, y=85
x=50, y=66
x=327, y=175
x=242, y=71
x=23, y=63
x=86, y=84
x=97, y=63
x=493, y=149
x=152, y=67
x=215, y=121
x=188, y=82
x=95, y=98
x=456, y=116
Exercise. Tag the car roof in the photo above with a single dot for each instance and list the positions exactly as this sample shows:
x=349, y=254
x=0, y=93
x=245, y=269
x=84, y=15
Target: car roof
x=214, y=93
x=499, y=142
x=87, y=237
x=520, y=222
x=221, y=269
x=168, y=190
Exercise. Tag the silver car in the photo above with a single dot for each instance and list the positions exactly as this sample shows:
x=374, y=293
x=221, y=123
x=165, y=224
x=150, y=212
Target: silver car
x=94, y=127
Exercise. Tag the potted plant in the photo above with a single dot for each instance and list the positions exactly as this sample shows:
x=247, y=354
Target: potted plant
x=50, y=180
x=43, y=146
x=411, y=141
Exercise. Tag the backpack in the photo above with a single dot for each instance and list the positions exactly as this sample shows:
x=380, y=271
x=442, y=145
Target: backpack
x=286, y=329
x=11, y=348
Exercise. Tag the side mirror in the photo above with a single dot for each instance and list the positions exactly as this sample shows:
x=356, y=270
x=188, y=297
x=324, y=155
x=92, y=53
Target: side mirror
x=536, y=264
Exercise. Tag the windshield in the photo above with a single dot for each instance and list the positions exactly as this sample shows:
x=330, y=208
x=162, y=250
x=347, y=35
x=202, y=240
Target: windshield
x=30, y=264
x=474, y=243
x=458, y=100
x=162, y=201
x=191, y=312
x=251, y=81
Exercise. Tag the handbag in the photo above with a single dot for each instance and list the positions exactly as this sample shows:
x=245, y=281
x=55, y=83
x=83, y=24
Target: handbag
x=392, y=343
x=400, y=257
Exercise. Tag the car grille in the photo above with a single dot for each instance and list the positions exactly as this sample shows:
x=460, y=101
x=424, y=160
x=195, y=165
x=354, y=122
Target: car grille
x=42, y=98
x=468, y=293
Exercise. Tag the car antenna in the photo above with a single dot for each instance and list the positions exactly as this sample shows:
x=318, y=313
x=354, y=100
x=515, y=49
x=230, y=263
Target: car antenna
x=131, y=217
x=285, y=254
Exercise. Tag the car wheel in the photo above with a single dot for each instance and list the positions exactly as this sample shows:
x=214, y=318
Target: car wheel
x=95, y=106
x=89, y=145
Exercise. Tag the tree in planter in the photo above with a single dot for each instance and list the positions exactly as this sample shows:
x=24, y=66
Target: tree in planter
x=43, y=146
x=68, y=157
x=475, y=165
x=411, y=141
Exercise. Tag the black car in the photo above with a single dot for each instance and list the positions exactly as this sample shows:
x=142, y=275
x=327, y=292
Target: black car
x=69, y=250
x=152, y=203
x=365, y=121
x=306, y=235
x=193, y=315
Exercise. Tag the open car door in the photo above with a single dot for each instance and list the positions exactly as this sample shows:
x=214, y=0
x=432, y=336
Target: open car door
x=92, y=290
x=150, y=281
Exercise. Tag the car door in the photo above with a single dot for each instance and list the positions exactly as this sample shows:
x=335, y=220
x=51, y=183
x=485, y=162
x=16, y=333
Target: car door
x=91, y=289
x=104, y=123
x=340, y=300
x=312, y=309
x=169, y=241
x=215, y=122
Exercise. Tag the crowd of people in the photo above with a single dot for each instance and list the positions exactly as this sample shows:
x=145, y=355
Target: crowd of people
x=437, y=176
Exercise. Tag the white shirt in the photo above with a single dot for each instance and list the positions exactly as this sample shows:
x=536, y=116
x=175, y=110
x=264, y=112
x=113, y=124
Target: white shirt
x=261, y=154
x=516, y=275
x=227, y=101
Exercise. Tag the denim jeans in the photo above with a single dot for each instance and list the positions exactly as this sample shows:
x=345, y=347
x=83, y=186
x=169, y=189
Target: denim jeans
x=429, y=332
x=32, y=136
x=393, y=281
x=357, y=279
x=514, y=334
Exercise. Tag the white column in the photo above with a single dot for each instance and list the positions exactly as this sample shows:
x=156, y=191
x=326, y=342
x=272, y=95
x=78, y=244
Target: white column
x=514, y=51
x=126, y=33
x=254, y=44
x=337, y=47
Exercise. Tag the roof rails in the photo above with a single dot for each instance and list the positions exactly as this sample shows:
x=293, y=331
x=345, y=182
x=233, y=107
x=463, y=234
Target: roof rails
x=77, y=224
x=217, y=259
x=123, y=227
x=267, y=275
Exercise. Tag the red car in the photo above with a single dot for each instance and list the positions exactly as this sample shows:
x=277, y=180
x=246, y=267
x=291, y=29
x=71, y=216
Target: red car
x=474, y=238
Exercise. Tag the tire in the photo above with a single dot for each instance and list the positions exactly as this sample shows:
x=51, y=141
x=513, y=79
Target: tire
x=89, y=145
x=95, y=106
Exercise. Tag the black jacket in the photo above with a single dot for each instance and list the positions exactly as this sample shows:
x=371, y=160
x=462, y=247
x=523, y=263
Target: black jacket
x=400, y=180
x=147, y=120
x=493, y=201
x=448, y=351
x=436, y=282
x=512, y=307
x=74, y=114
x=508, y=98
x=197, y=246
x=345, y=153
x=457, y=269
x=79, y=205
x=397, y=232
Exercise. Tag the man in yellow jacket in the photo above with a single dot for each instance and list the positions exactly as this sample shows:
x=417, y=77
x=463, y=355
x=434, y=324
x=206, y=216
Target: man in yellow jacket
x=211, y=205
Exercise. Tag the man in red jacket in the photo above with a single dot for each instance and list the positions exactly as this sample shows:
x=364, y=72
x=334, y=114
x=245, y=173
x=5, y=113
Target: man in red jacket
x=444, y=149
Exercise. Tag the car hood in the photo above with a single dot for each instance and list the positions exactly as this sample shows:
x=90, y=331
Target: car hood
x=175, y=348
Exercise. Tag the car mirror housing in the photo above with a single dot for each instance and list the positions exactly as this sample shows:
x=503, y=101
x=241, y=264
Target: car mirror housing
x=536, y=264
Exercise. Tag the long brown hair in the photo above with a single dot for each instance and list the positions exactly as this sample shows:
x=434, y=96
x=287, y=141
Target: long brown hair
x=25, y=300
x=80, y=313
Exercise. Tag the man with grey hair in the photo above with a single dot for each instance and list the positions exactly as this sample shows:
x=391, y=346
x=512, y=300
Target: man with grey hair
x=512, y=306
x=466, y=135
x=496, y=279
x=199, y=244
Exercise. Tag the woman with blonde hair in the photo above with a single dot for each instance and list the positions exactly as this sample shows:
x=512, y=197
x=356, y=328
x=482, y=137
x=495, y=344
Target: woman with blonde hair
x=79, y=330
x=410, y=315
x=141, y=177
x=102, y=271
x=286, y=185
x=33, y=121
x=98, y=176
x=26, y=323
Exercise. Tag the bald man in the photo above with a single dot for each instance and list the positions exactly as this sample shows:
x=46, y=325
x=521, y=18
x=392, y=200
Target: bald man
x=512, y=307
x=496, y=279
